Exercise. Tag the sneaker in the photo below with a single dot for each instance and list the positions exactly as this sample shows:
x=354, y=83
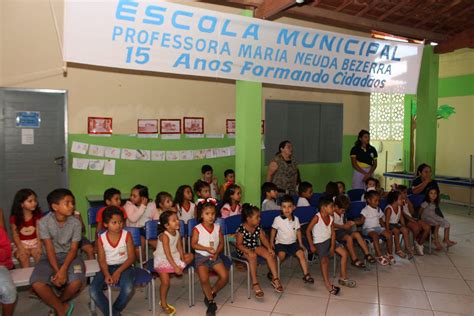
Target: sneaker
x=419, y=249
x=211, y=309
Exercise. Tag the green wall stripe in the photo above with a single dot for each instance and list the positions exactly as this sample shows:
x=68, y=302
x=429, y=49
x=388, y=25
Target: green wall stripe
x=456, y=86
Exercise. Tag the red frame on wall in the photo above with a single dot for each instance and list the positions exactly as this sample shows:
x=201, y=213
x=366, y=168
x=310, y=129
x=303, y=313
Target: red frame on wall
x=193, y=118
x=227, y=126
x=138, y=126
x=91, y=130
x=170, y=120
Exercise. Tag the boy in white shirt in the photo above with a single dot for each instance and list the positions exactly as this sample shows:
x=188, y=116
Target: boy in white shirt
x=305, y=192
x=372, y=219
x=270, y=191
x=286, y=238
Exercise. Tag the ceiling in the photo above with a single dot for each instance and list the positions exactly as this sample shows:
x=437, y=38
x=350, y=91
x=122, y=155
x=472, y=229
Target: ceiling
x=450, y=23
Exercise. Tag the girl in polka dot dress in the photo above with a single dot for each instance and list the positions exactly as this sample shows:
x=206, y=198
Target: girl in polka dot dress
x=251, y=242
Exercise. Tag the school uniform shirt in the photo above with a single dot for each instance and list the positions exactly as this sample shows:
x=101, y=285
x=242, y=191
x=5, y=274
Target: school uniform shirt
x=227, y=210
x=365, y=157
x=186, y=214
x=338, y=219
x=372, y=217
x=60, y=234
x=394, y=217
x=270, y=205
x=286, y=229
x=207, y=238
x=322, y=231
x=302, y=202
x=115, y=254
x=27, y=229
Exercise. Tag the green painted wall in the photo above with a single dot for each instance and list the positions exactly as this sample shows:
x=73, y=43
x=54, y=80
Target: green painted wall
x=168, y=175
x=457, y=86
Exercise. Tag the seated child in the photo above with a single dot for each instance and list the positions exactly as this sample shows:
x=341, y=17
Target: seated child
x=270, y=191
x=24, y=224
x=59, y=266
x=419, y=228
x=330, y=193
x=428, y=214
x=229, y=177
x=231, y=201
x=112, y=197
x=370, y=185
x=164, y=202
x=251, y=242
x=305, y=192
x=207, y=175
x=346, y=231
x=286, y=238
x=342, y=188
x=116, y=255
x=321, y=232
x=208, y=242
x=395, y=222
x=202, y=189
x=7, y=287
x=183, y=202
x=169, y=257
x=373, y=227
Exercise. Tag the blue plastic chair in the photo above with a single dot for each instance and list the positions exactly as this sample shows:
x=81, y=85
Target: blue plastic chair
x=305, y=214
x=151, y=233
x=92, y=219
x=225, y=257
x=314, y=201
x=295, y=199
x=142, y=276
x=354, y=210
x=416, y=200
x=355, y=194
x=383, y=204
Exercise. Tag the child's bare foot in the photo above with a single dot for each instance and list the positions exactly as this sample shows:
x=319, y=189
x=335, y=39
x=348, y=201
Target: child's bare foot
x=438, y=247
x=450, y=243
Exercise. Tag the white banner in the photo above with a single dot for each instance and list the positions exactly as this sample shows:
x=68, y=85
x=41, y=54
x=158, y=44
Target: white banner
x=167, y=37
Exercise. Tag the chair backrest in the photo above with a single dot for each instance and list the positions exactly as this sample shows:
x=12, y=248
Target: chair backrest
x=295, y=199
x=232, y=223
x=354, y=210
x=314, y=201
x=383, y=204
x=136, y=236
x=191, y=224
x=267, y=218
x=305, y=214
x=355, y=194
x=151, y=230
x=92, y=215
x=182, y=228
x=220, y=221
x=416, y=200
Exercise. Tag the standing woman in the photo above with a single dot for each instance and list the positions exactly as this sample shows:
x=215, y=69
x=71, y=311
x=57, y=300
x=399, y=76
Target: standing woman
x=363, y=159
x=282, y=170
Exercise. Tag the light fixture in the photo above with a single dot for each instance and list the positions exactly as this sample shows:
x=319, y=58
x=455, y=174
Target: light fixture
x=299, y=1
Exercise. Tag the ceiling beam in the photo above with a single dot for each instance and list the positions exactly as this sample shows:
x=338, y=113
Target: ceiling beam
x=458, y=41
x=339, y=19
x=271, y=8
x=392, y=10
x=438, y=13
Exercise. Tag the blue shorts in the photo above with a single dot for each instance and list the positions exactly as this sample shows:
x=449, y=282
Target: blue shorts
x=289, y=250
x=201, y=260
x=378, y=230
x=392, y=226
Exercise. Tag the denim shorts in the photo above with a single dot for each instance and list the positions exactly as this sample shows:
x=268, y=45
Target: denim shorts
x=206, y=261
x=378, y=230
x=7, y=287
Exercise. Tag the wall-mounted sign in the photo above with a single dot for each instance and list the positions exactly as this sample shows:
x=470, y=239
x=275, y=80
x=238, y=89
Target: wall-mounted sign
x=28, y=119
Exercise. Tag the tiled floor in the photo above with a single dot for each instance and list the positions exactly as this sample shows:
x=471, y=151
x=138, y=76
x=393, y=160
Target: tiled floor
x=437, y=284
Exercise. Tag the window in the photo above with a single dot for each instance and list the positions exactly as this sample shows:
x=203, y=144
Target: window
x=386, y=116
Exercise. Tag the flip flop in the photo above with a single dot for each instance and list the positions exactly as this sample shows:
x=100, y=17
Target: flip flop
x=70, y=309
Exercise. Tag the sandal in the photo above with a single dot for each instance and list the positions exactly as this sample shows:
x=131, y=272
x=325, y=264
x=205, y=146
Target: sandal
x=347, y=282
x=390, y=258
x=277, y=288
x=370, y=258
x=258, y=293
x=401, y=254
x=335, y=290
x=382, y=260
x=169, y=309
x=358, y=264
x=307, y=278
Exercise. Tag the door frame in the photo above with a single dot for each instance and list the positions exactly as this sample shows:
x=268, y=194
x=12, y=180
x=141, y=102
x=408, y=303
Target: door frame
x=64, y=93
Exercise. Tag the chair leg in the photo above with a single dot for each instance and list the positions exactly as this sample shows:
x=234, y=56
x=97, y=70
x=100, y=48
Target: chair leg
x=334, y=266
x=153, y=297
x=109, y=294
x=146, y=251
x=92, y=303
x=148, y=291
x=248, y=281
x=232, y=283
x=190, y=285
x=193, y=288
x=431, y=238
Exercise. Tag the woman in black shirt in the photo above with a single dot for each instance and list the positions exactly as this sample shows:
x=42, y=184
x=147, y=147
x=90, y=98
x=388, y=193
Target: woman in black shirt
x=363, y=159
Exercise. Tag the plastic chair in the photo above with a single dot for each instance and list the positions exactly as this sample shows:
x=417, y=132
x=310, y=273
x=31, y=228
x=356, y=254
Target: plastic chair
x=92, y=219
x=355, y=194
x=383, y=204
x=354, y=210
x=142, y=276
x=416, y=200
x=225, y=257
x=314, y=201
x=295, y=199
x=305, y=214
x=151, y=233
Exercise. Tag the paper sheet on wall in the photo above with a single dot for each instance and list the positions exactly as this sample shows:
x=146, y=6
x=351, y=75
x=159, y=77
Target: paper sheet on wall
x=109, y=168
x=199, y=154
x=143, y=154
x=186, y=155
x=79, y=148
x=128, y=154
x=96, y=164
x=232, y=151
x=27, y=136
x=170, y=136
x=172, y=155
x=80, y=163
x=214, y=135
x=112, y=152
x=209, y=153
x=158, y=155
x=96, y=150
